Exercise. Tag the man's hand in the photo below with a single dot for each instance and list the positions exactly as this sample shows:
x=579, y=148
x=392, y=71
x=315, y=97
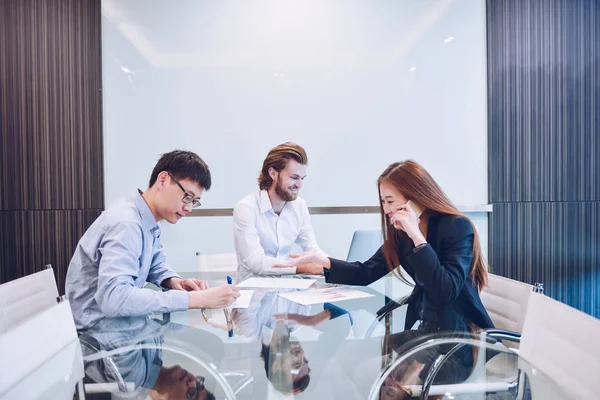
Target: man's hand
x=217, y=297
x=306, y=263
x=311, y=269
x=185, y=284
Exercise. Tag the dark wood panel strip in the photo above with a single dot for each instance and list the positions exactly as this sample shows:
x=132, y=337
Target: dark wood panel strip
x=32, y=239
x=544, y=100
x=50, y=105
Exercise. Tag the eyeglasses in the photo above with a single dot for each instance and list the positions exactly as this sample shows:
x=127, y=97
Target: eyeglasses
x=194, y=392
x=187, y=198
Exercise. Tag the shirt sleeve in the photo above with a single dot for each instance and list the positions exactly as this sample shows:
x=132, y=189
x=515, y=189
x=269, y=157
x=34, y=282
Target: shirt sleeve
x=117, y=295
x=160, y=270
x=357, y=273
x=251, y=255
x=306, y=238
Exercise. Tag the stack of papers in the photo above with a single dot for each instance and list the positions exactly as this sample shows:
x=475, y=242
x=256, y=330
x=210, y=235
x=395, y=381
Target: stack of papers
x=244, y=300
x=327, y=295
x=276, y=283
x=304, y=297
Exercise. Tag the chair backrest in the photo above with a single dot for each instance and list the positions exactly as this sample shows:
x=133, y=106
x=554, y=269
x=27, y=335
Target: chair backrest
x=364, y=244
x=226, y=262
x=41, y=356
x=562, y=343
x=24, y=297
x=506, y=302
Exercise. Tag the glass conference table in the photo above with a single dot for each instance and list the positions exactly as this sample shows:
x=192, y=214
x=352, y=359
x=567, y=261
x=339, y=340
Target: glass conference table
x=282, y=349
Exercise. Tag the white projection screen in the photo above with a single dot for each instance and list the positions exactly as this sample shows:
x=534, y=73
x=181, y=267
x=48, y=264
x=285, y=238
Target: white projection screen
x=358, y=83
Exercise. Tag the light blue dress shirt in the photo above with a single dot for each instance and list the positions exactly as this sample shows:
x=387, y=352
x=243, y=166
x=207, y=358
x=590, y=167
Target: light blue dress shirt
x=119, y=252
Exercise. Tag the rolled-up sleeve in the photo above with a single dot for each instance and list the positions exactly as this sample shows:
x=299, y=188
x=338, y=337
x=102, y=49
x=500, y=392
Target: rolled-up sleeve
x=251, y=255
x=117, y=294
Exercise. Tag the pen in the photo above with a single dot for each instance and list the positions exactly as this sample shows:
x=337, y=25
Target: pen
x=227, y=312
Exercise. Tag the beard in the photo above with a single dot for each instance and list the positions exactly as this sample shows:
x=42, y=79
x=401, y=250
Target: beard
x=284, y=193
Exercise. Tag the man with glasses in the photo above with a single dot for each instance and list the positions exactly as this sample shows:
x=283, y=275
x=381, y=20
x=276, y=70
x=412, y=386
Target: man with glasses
x=123, y=249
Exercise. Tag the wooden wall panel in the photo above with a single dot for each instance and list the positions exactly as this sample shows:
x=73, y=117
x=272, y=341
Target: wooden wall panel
x=50, y=105
x=31, y=239
x=51, y=167
x=544, y=145
x=556, y=243
x=544, y=100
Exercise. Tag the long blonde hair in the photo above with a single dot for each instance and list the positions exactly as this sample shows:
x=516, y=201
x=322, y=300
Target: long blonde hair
x=415, y=183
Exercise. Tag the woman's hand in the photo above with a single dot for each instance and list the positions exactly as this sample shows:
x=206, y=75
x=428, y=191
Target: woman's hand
x=306, y=263
x=406, y=220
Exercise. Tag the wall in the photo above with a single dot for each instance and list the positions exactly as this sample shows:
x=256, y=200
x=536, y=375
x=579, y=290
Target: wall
x=358, y=84
x=51, y=176
x=544, y=145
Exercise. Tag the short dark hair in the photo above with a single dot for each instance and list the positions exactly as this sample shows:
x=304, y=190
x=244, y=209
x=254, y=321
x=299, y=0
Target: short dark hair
x=277, y=159
x=183, y=165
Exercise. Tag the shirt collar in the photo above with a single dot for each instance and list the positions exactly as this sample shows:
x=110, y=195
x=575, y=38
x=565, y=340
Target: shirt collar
x=148, y=221
x=265, y=202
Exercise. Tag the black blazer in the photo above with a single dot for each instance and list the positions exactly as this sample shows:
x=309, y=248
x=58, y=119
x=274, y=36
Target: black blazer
x=444, y=293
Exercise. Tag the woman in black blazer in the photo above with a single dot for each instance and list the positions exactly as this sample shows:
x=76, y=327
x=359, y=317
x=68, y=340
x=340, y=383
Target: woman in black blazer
x=438, y=247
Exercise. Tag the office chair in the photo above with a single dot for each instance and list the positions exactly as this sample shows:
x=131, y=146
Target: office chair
x=35, y=368
x=561, y=343
x=364, y=244
x=506, y=302
x=27, y=296
x=504, y=299
x=483, y=344
x=28, y=306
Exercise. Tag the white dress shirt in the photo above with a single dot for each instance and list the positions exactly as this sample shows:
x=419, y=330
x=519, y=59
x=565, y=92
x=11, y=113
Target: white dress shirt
x=263, y=238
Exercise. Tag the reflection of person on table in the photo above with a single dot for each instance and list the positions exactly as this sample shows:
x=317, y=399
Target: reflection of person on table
x=439, y=249
x=142, y=365
x=285, y=364
x=272, y=320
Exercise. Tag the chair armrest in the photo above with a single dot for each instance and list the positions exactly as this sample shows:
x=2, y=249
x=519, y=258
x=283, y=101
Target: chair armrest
x=501, y=334
x=391, y=306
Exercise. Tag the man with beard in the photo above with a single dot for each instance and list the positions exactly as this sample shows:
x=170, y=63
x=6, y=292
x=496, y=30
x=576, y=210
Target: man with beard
x=268, y=221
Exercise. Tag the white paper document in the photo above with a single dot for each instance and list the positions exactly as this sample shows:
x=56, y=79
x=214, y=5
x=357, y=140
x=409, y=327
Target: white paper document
x=327, y=295
x=276, y=283
x=244, y=300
